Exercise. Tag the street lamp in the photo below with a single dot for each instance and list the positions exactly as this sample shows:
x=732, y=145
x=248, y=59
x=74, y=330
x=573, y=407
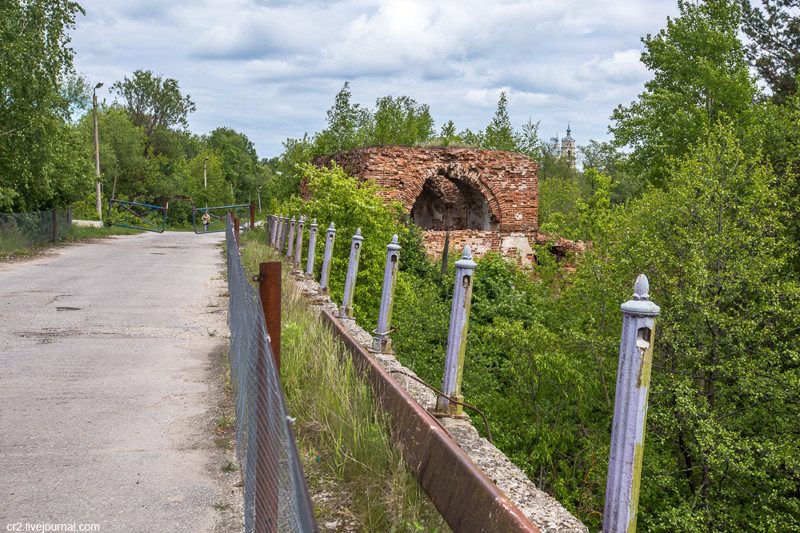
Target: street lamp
x=205, y=183
x=97, y=149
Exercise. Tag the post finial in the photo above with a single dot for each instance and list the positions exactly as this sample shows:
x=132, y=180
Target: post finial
x=394, y=238
x=641, y=288
x=467, y=253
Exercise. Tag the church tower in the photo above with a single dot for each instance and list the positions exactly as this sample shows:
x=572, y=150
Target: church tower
x=568, y=147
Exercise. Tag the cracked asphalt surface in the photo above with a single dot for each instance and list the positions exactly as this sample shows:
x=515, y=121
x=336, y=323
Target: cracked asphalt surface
x=107, y=393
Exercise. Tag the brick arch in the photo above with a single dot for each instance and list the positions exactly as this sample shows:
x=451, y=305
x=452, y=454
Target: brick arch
x=507, y=181
x=453, y=172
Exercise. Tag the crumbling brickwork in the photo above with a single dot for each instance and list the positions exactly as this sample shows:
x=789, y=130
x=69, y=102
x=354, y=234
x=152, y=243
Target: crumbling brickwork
x=486, y=199
x=452, y=188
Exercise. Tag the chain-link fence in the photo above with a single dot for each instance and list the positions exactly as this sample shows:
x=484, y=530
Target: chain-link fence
x=276, y=497
x=20, y=230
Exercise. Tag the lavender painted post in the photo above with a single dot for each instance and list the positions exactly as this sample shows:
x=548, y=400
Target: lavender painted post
x=630, y=410
x=312, y=248
x=326, y=259
x=290, y=240
x=457, y=337
x=274, y=229
x=346, y=310
x=380, y=341
x=298, y=245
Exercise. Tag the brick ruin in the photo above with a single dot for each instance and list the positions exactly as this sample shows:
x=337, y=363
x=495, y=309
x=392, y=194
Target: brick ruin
x=484, y=198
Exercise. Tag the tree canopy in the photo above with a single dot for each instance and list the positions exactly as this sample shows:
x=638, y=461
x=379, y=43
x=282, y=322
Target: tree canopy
x=153, y=101
x=39, y=164
x=700, y=76
x=775, y=48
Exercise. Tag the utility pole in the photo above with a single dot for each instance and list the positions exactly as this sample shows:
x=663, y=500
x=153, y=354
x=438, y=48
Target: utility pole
x=97, y=150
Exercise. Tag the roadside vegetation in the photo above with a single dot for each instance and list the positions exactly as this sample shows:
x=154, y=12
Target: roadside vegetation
x=12, y=248
x=698, y=189
x=356, y=475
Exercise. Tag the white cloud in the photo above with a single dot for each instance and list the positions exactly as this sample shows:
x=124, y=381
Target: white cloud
x=271, y=68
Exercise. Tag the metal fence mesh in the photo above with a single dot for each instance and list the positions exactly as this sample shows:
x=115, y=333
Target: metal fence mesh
x=18, y=230
x=273, y=477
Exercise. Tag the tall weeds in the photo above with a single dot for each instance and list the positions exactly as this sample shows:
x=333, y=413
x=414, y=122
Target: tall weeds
x=339, y=427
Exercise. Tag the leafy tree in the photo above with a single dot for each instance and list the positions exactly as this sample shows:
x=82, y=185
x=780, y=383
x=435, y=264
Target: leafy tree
x=699, y=76
x=529, y=143
x=40, y=163
x=720, y=452
x=605, y=158
x=499, y=133
x=122, y=163
x=448, y=134
x=347, y=125
x=239, y=160
x=775, y=46
x=153, y=102
x=401, y=121
x=216, y=189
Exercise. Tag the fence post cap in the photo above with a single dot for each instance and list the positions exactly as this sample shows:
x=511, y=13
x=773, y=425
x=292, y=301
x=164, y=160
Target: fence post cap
x=314, y=222
x=466, y=259
x=640, y=304
x=357, y=236
x=393, y=246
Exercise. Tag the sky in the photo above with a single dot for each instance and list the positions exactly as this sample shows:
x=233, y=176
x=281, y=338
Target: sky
x=271, y=68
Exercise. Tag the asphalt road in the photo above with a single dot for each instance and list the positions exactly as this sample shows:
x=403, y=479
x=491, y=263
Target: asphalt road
x=107, y=395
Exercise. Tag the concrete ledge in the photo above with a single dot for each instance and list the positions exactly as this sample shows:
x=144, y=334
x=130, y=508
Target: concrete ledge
x=408, y=401
x=88, y=223
x=455, y=485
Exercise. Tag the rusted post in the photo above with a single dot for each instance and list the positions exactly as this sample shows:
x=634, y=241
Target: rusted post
x=324, y=279
x=269, y=289
x=457, y=337
x=381, y=341
x=290, y=240
x=312, y=248
x=236, y=231
x=630, y=410
x=346, y=310
x=267, y=458
x=298, y=245
x=252, y=214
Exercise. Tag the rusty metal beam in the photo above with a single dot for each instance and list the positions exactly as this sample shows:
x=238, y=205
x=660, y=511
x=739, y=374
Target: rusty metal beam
x=464, y=495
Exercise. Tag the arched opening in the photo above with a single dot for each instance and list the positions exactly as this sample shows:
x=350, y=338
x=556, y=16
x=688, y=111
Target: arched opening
x=448, y=203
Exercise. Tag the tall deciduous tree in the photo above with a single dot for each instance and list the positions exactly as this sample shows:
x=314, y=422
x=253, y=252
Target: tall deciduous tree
x=154, y=102
x=401, y=121
x=700, y=75
x=721, y=447
x=40, y=164
x=775, y=47
x=239, y=160
x=346, y=123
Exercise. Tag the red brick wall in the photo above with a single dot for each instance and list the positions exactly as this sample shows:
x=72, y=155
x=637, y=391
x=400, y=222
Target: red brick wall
x=506, y=180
